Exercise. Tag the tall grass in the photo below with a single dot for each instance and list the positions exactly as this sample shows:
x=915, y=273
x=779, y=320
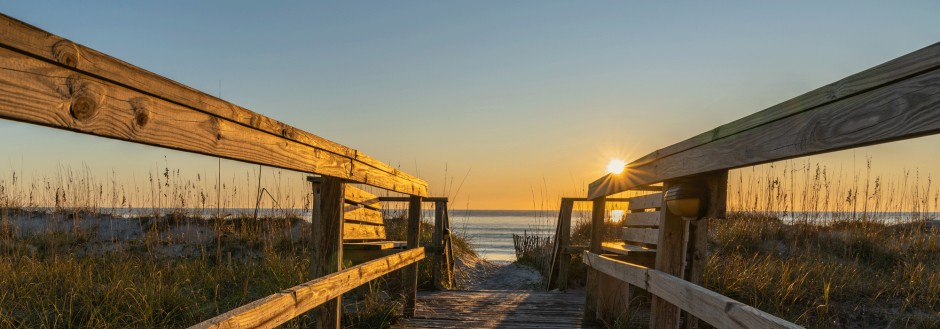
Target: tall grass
x=78, y=250
x=830, y=250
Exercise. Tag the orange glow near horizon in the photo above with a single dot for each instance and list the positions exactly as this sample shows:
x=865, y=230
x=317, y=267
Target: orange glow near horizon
x=616, y=166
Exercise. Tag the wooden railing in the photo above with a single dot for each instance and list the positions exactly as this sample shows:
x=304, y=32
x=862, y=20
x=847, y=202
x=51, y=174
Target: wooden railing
x=897, y=100
x=889, y=102
x=53, y=82
x=441, y=244
x=717, y=310
x=278, y=308
x=50, y=81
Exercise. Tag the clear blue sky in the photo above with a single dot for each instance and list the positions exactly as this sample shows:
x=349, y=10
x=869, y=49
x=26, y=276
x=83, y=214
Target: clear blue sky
x=529, y=94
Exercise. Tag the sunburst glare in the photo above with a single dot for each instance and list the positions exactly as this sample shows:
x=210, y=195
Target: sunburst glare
x=616, y=166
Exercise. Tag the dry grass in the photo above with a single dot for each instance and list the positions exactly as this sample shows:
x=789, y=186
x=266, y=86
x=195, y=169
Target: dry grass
x=77, y=251
x=845, y=258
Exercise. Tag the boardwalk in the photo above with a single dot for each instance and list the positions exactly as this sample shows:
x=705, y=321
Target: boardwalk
x=498, y=309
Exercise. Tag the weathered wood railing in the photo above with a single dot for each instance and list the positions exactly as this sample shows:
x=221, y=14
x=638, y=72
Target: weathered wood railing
x=561, y=250
x=441, y=244
x=897, y=100
x=279, y=308
x=50, y=81
x=717, y=310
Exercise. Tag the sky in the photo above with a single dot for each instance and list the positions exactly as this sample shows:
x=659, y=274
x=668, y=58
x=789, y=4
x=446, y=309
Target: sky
x=514, y=102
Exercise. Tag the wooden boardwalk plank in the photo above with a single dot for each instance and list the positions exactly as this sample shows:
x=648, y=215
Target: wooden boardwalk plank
x=498, y=309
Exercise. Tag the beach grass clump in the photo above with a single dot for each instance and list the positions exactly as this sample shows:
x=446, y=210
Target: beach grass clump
x=832, y=277
x=856, y=251
x=130, y=287
x=76, y=251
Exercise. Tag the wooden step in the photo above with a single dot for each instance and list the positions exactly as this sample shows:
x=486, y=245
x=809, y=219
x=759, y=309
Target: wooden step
x=626, y=249
x=354, y=231
x=379, y=245
x=642, y=235
x=649, y=218
x=645, y=201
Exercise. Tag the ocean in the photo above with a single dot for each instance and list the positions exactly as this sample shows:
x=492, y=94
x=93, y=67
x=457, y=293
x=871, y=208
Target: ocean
x=490, y=231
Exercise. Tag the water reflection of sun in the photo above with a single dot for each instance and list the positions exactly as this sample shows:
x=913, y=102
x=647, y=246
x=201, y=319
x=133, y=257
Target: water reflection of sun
x=616, y=166
x=616, y=215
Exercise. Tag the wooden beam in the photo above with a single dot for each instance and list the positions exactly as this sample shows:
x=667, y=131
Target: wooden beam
x=410, y=277
x=364, y=215
x=626, y=272
x=408, y=199
x=451, y=261
x=626, y=249
x=697, y=251
x=648, y=218
x=643, y=235
x=696, y=259
x=54, y=82
x=331, y=246
x=912, y=64
x=437, y=238
x=645, y=201
x=356, y=231
x=316, y=235
x=711, y=307
x=360, y=197
x=592, y=293
x=376, y=245
x=575, y=250
x=274, y=310
x=670, y=259
x=613, y=299
x=564, y=217
x=893, y=101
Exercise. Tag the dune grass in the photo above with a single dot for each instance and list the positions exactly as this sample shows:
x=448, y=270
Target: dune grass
x=77, y=251
x=819, y=248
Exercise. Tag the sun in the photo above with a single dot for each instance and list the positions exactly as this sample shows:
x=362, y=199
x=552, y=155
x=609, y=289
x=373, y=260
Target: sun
x=616, y=166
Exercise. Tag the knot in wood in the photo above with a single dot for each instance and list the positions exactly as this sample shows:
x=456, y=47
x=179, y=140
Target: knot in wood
x=84, y=107
x=87, y=97
x=141, y=107
x=66, y=52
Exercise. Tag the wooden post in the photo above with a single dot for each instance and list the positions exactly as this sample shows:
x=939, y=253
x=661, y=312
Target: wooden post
x=410, y=279
x=556, y=253
x=670, y=258
x=613, y=297
x=315, y=233
x=564, y=234
x=330, y=247
x=598, y=212
x=698, y=235
x=450, y=248
x=438, y=241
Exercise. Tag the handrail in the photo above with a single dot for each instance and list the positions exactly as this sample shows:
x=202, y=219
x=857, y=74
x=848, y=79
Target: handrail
x=406, y=199
x=889, y=102
x=707, y=305
x=64, y=85
x=271, y=311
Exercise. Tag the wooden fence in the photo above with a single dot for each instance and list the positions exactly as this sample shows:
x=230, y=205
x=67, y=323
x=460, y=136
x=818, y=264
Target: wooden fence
x=50, y=81
x=897, y=100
